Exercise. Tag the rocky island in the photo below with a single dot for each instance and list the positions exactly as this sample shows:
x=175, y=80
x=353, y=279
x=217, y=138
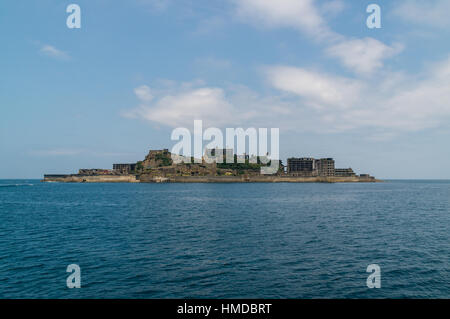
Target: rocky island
x=159, y=167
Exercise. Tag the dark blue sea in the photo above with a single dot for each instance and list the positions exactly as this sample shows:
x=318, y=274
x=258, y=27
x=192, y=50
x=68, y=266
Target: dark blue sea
x=225, y=240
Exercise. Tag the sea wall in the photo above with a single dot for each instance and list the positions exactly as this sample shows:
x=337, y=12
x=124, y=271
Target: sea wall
x=76, y=178
x=253, y=179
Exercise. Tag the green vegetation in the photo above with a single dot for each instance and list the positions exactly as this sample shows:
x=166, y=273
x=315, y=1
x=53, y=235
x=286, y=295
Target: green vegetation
x=164, y=158
x=241, y=167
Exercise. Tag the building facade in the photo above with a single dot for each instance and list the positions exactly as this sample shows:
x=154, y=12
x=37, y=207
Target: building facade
x=344, y=172
x=307, y=166
x=124, y=168
x=304, y=166
x=219, y=155
x=325, y=167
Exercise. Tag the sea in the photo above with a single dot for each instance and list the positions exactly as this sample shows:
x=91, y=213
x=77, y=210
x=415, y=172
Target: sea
x=243, y=240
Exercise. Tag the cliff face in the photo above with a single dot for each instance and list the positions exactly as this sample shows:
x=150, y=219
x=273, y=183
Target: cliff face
x=157, y=158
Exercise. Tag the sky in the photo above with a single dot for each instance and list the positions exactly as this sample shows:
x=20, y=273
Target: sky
x=376, y=100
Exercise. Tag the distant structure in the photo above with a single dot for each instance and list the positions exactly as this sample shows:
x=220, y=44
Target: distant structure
x=310, y=167
x=124, y=168
x=94, y=171
x=218, y=155
x=325, y=167
x=304, y=166
x=344, y=172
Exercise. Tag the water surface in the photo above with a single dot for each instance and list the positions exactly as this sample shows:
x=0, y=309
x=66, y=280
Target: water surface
x=225, y=240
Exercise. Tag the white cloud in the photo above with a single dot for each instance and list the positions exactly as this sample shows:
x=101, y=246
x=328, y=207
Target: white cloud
x=359, y=55
x=313, y=101
x=144, y=93
x=363, y=55
x=405, y=104
x=434, y=13
x=53, y=52
x=180, y=107
x=301, y=15
x=332, y=7
x=318, y=89
x=425, y=104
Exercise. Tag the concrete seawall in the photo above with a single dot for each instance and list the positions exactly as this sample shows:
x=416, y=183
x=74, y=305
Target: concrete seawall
x=201, y=179
x=254, y=179
x=91, y=178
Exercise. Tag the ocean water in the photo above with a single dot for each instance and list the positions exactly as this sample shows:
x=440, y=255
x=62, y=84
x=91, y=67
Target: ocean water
x=225, y=240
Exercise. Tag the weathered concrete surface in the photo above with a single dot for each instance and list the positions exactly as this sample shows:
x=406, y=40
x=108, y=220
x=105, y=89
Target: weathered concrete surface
x=91, y=178
x=75, y=178
x=253, y=179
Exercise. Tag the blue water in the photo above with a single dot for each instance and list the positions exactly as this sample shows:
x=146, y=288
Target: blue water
x=225, y=240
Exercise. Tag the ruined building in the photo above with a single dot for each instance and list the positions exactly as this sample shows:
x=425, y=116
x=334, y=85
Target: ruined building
x=325, y=167
x=124, y=168
x=344, y=172
x=309, y=167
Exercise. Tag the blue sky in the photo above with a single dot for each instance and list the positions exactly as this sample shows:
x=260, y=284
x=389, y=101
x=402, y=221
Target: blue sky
x=377, y=100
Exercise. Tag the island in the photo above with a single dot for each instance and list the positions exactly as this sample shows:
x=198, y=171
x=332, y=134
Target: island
x=217, y=166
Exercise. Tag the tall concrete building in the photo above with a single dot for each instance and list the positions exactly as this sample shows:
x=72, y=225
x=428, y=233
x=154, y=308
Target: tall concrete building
x=307, y=166
x=301, y=165
x=325, y=167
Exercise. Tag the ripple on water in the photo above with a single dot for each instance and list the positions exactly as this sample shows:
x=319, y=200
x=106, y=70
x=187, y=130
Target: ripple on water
x=225, y=241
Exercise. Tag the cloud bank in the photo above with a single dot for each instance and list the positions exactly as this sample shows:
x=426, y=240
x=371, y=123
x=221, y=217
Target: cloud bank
x=383, y=102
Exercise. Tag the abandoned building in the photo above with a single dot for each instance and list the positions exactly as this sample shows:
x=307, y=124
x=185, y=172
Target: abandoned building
x=307, y=166
x=301, y=165
x=124, y=168
x=218, y=155
x=344, y=172
x=325, y=167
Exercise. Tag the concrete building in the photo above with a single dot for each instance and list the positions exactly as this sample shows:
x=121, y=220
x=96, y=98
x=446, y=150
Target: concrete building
x=304, y=166
x=308, y=166
x=218, y=155
x=124, y=168
x=344, y=172
x=243, y=158
x=325, y=167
